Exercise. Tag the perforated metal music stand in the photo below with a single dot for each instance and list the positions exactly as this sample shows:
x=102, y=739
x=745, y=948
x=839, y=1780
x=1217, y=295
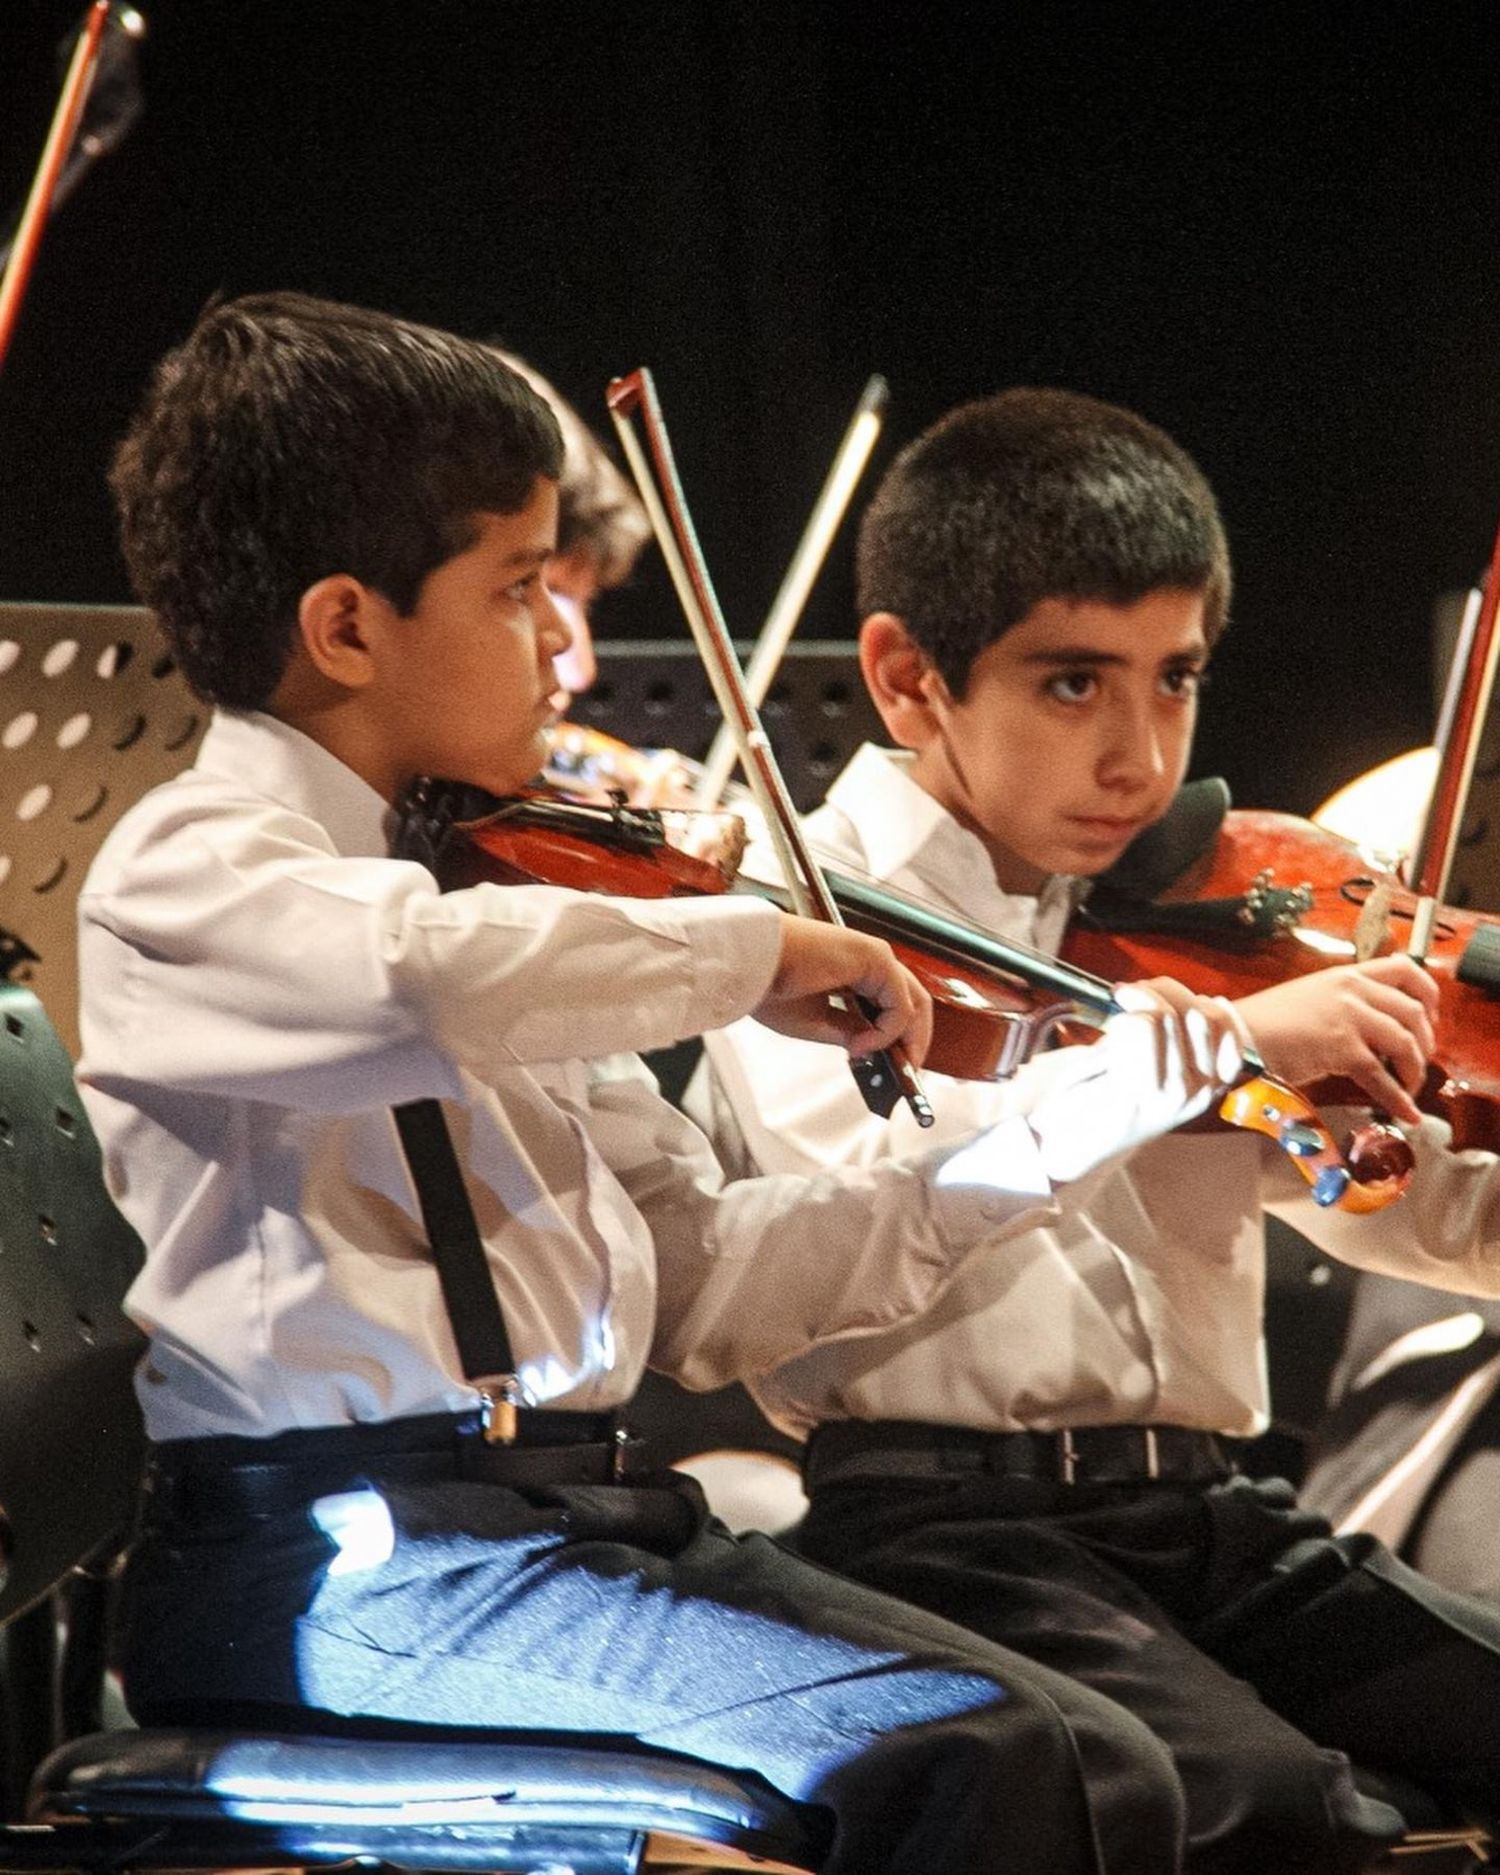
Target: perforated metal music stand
x=655, y=693
x=93, y=713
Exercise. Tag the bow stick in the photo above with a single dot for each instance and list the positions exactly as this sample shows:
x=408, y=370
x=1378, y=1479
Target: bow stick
x=786, y=608
x=82, y=68
x=1466, y=704
x=882, y=1078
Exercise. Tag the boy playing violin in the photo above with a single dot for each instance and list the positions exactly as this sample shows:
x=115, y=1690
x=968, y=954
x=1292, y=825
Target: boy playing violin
x=1048, y=1455
x=345, y=523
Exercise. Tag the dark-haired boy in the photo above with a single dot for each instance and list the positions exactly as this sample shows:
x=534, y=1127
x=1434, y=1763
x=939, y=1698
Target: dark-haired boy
x=1047, y=1456
x=344, y=523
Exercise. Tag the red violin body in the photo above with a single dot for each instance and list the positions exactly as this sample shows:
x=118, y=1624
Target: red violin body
x=1235, y=959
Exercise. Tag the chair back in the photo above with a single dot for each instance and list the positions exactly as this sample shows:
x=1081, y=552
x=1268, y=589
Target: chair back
x=71, y=1442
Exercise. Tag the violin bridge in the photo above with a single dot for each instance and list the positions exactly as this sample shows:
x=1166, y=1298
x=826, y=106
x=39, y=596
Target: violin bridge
x=1373, y=925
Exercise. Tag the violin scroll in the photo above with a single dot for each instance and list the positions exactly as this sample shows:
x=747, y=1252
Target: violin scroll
x=1370, y=1171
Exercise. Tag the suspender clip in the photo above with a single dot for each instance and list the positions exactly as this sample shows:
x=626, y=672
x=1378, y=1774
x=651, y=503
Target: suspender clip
x=499, y=1407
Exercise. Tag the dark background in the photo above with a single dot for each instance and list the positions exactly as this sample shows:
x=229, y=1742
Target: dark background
x=1273, y=228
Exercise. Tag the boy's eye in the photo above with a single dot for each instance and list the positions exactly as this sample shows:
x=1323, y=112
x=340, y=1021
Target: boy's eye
x=1185, y=680
x=1073, y=686
x=523, y=589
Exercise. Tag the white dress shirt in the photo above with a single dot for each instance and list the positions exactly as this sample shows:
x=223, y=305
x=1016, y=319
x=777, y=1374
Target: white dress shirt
x=1142, y=1301
x=260, y=983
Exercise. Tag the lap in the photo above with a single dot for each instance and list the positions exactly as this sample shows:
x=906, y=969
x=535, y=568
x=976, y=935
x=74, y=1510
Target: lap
x=610, y=1611
x=1049, y=1588
x=1228, y=1619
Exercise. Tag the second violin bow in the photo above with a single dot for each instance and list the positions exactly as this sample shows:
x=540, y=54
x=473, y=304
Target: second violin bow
x=53, y=173
x=883, y=1078
x=828, y=510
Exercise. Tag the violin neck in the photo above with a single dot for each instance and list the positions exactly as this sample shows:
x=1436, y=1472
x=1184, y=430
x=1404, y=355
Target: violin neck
x=890, y=916
x=902, y=920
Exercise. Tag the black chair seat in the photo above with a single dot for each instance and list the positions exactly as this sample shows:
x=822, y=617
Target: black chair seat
x=196, y=1799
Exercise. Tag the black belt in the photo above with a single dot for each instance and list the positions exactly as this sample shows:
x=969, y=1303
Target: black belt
x=845, y=1450
x=210, y=1480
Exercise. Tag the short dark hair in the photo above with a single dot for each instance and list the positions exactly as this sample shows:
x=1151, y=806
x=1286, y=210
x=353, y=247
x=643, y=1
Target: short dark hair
x=289, y=438
x=1032, y=495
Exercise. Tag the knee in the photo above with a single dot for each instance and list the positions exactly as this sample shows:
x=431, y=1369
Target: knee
x=1131, y=1785
x=1294, y=1809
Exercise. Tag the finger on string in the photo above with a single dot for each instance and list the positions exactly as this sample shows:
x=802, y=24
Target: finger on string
x=1392, y=1043
x=1396, y=1007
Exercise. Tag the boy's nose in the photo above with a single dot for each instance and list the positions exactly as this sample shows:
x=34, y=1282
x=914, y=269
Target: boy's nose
x=1134, y=754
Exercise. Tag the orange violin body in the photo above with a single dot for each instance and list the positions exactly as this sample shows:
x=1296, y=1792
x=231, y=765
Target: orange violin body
x=594, y=846
x=1256, y=848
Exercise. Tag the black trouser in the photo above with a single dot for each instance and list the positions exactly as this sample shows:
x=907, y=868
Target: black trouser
x=623, y=1609
x=1258, y=1647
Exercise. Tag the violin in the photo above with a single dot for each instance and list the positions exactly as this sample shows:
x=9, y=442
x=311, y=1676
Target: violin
x=587, y=763
x=1224, y=925
x=994, y=1001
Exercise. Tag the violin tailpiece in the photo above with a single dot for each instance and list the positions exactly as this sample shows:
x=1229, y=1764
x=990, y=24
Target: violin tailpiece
x=1262, y=912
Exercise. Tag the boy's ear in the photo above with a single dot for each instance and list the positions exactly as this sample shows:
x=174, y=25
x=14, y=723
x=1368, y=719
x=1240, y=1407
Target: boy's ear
x=901, y=682
x=333, y=618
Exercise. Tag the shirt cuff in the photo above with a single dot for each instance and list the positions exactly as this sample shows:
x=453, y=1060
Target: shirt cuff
x=735, y=944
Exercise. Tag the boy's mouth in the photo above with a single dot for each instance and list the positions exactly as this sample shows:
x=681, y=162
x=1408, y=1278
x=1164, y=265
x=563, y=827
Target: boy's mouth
x=1102, y=827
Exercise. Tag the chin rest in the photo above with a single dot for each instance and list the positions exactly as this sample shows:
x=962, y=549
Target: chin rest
x=187, y=1798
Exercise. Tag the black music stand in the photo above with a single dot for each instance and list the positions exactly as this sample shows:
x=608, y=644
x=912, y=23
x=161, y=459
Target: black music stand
x=93, y=713
x=654, y=692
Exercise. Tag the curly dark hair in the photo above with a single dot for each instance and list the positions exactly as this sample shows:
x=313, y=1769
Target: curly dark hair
x=1031, y=495
x=290, y=438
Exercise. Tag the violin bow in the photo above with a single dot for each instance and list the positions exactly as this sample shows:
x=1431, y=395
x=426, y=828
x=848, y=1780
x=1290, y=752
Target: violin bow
x=1466, y=704
x=823, y=522
x=882, y=1078
x=61, y=135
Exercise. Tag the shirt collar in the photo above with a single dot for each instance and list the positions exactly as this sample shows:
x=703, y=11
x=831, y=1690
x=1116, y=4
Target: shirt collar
x=279, y=762
x=896, y=819
x=902, y=829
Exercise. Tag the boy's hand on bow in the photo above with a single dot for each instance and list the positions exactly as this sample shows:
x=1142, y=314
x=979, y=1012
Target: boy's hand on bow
x=822, y=960
x=1370, y=1023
